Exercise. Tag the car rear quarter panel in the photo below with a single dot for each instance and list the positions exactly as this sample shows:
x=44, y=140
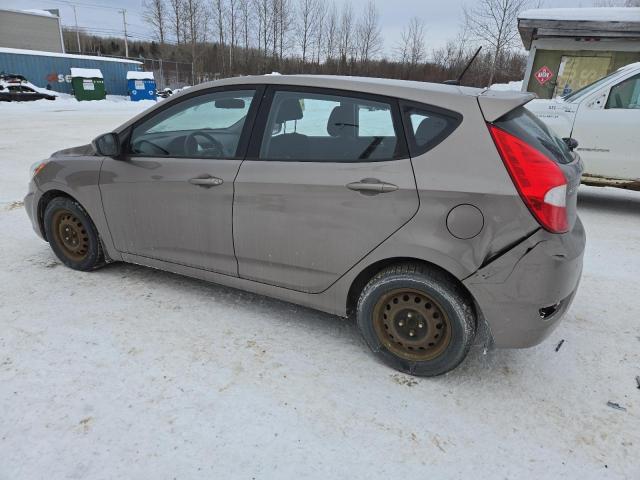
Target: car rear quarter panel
x=466, y=169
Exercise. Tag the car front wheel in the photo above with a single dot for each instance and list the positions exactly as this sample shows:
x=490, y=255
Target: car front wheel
x=417, y=319
x=72, y=235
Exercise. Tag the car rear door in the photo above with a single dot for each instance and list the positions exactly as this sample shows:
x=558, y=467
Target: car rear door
x=171, y=198
x=327, y=179
x=606, y=129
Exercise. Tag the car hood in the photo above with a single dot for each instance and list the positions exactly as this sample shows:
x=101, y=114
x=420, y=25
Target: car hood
x=80, y=151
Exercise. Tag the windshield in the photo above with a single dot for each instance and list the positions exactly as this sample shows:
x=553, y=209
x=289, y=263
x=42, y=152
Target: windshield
x=582, y=92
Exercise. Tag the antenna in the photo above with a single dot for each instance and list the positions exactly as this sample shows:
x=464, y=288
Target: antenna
x=457, y=81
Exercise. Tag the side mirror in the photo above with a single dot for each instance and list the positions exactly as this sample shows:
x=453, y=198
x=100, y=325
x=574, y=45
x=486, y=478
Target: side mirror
x=107, y=145
x=572, y=143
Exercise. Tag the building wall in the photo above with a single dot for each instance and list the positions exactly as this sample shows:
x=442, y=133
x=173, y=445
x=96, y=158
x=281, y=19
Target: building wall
x=30, y=31
x=54, y=71
x=548, y=52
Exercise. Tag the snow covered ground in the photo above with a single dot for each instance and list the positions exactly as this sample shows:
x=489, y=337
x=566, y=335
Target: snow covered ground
x=129, y=372
x=504, y=87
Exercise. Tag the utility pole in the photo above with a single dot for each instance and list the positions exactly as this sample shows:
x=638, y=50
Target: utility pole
x=75, y=15
x=124, y=23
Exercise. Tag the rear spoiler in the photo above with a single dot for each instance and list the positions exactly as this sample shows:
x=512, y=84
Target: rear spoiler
x=494, y=103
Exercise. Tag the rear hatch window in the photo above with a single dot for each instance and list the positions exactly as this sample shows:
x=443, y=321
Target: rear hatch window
x=526, y=126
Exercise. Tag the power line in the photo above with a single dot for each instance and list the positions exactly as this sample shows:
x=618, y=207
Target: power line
x=87, y=5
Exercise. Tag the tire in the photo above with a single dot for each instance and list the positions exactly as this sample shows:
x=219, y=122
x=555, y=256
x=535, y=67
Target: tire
x=72, y=235
x=416, y=319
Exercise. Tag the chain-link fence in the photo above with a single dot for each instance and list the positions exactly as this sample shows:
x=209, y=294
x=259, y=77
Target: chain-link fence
x=168, y=73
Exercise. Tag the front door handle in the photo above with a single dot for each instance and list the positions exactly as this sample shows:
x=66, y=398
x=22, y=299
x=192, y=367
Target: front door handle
x=372, y=186
x=206, y=182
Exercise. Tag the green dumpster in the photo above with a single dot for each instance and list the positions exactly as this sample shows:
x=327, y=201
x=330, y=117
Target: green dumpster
x=87, y=84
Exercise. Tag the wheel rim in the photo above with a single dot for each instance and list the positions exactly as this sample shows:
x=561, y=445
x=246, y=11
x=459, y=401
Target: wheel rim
x=70, y=235
x=411, y=325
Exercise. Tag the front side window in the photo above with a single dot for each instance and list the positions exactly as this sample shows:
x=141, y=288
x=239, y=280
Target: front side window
x=205, y=126
x=304, y=126
x=625, y=95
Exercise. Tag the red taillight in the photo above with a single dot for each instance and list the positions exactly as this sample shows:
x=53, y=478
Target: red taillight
x=538, y=179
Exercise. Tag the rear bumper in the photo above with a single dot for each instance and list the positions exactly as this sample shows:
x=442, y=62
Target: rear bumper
x=524, y=293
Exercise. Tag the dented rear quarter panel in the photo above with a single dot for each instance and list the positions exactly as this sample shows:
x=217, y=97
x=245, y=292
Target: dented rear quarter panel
x=542, y=271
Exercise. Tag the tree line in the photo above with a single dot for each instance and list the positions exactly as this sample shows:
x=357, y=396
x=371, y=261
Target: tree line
x=223, y=38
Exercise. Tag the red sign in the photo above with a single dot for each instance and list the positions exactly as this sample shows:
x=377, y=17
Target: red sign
x=543, y=75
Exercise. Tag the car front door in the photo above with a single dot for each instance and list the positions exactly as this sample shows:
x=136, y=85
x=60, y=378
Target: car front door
x=171, y=198
x=327, y=179
x=606, y=128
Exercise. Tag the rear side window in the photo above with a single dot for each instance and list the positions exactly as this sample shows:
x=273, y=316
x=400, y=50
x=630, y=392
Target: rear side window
x=427, y=126
x=530, y=129
x=311, y=126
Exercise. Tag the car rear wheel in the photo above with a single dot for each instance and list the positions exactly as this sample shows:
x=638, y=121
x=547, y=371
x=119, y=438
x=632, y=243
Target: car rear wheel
x=416, y=319
x=72, y=235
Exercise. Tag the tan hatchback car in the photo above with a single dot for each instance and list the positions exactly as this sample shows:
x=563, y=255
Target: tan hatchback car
x=427, y=210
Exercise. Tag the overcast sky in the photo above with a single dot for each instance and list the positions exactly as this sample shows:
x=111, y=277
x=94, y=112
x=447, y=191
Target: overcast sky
x=442, y=17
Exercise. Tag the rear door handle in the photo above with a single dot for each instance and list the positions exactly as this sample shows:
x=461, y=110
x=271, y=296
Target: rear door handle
x=372, y=186
x=206, y=182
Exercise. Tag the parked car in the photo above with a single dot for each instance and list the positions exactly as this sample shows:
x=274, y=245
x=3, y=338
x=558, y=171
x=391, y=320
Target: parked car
x=16, y=88
x=429, y=211
x=603, y=118
x=164, y=93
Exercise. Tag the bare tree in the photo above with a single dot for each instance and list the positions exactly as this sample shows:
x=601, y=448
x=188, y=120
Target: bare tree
x=411, y=50
x=331, y=32
x=233, y=29
x=176, y=15
x=495, y=23
x=318, y=37
x=454, y=53
x=264, y=10
x=285, y=21
x=246, y=18
x=345, y=33
x=154, y=14
x=196, y=21
x=219, y=13
x=306, y=25
x=369, y=39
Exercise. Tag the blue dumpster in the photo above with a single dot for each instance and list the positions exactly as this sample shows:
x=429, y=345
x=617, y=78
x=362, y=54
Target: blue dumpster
x=141, y=85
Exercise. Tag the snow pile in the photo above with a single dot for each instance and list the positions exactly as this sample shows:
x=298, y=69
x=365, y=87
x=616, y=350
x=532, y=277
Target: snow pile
x=597, y=14
x=134, y=75
x=35, y=11
x=86, y=72
x=507, y=87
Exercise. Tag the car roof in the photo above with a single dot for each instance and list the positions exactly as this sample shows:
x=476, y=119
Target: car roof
x=379, y=86
x=452, y=97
